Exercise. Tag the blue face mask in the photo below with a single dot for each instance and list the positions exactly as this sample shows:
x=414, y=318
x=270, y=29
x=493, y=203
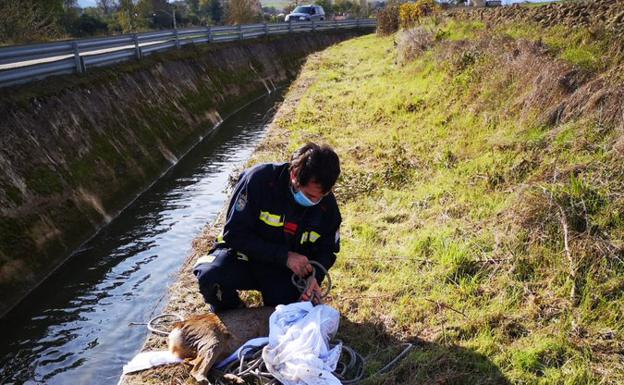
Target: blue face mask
x=302, y=199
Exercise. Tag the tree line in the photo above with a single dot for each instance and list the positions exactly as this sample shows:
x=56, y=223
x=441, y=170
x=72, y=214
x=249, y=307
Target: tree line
x=24, y=21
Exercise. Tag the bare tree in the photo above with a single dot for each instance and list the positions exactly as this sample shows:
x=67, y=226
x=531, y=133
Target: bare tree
x=106, y=6
x=243, y=11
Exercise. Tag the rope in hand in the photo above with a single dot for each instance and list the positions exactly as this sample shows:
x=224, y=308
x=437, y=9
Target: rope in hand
x=303, y=284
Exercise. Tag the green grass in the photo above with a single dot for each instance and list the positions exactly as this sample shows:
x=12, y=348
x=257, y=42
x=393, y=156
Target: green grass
x=451, y=235
x=456, y=31
x=586, y=48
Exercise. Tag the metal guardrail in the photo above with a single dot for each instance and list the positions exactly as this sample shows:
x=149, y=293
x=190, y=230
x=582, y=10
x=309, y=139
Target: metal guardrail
x=21, y=64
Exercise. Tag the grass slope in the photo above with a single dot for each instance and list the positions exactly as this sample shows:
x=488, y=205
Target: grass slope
x=457, y=186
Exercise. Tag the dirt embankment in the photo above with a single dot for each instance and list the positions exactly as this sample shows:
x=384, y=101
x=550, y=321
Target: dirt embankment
x=75, y=150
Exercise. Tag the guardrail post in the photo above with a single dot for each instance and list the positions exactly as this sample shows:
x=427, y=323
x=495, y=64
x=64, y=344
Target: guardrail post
x=177, y=39
x=335, y=24
x=289, y=25
x=77, y=59
x=266, y=29
x=209, y=33
x=137, y=47
x=357, y=23
x=240, y=32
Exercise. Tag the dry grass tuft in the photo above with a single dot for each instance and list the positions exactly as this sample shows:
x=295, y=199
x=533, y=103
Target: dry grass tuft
x=600, y=96
x=413, y=42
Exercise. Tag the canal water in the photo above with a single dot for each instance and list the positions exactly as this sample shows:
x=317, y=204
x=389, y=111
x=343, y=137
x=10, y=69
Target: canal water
x=74, y=328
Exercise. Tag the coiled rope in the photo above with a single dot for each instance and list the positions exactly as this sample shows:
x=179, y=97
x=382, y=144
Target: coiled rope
x=151, y=325
x=250, y=367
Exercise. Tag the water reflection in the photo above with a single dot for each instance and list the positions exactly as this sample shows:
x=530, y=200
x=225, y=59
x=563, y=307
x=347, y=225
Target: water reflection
x=74, y=328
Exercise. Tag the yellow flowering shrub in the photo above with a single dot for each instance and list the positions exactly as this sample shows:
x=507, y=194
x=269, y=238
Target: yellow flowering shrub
x=411, y=13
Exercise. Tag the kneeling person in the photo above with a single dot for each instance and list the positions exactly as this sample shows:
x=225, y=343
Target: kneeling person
x=280, y=217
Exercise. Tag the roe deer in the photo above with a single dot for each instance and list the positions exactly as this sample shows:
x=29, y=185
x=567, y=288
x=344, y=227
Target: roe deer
x=206, y=339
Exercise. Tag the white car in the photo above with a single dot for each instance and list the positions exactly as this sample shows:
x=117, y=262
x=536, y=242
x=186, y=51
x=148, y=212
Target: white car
x=306, y=13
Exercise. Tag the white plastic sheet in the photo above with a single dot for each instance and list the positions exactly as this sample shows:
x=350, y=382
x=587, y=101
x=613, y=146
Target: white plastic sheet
x=298, y=352
x=146, y=360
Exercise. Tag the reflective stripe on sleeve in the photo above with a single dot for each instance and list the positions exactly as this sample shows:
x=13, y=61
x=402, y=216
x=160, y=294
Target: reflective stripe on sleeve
x=271, y=219
x=314, y=236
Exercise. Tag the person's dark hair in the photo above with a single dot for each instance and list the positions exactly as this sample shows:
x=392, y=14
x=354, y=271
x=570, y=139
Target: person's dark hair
x=316, y=163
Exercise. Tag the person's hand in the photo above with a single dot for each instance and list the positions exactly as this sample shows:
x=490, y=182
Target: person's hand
x=313, y=293
x=299, y=264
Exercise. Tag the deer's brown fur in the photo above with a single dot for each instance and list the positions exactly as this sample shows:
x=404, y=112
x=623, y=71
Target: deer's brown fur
x=206, y=339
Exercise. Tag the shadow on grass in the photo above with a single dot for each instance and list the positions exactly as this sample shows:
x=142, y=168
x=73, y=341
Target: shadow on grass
x=427, y=363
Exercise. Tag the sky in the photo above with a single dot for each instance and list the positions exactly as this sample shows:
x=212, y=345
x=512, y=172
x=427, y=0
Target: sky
x=86, y=3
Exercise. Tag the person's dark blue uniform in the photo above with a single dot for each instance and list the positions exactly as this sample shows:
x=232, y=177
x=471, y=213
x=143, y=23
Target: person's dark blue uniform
x=264, y=223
